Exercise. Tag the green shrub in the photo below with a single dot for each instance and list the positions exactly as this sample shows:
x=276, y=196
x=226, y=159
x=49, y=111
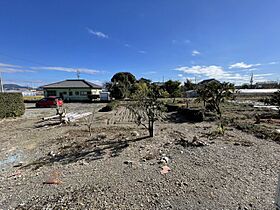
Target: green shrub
x=109, y=107
x=11, y=105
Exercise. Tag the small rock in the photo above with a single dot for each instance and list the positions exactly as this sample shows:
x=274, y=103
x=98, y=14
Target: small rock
x=19, y=164
x=135, y=133
x=102, y=136
x=51, y=153
x=164, y=160
x=128, y=162
x=83, y=162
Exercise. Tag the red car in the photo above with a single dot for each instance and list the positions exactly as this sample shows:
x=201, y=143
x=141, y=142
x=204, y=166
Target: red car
x=49, y=102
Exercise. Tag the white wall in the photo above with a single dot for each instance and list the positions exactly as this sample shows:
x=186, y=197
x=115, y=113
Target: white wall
x=81, y=96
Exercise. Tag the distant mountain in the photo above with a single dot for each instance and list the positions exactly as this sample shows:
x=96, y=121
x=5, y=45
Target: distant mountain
x=14, y=86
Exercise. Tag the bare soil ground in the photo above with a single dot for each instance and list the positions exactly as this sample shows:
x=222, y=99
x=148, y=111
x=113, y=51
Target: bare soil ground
x=119, y=167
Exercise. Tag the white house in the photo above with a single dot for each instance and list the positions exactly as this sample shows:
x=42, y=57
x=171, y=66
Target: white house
x=73, y=90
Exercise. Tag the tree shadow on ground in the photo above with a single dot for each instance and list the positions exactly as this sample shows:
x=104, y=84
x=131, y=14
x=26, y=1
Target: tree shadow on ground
x=88, y=150
x=42, y=108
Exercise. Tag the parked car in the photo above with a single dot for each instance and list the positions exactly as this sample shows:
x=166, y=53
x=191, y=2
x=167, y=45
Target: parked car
x=49, y=102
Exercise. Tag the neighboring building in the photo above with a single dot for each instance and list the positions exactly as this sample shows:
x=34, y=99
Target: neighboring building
x=207, y=81
x=256, y=91
x=23, y=92
x=267, y=84
x=73, y=90
x=191, y=94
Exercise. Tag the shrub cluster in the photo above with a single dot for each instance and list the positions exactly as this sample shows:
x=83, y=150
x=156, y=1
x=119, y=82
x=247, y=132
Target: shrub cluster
x=109, y=107
x=11, y=105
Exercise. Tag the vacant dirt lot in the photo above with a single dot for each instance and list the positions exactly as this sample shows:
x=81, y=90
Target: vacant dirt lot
x=118, y=167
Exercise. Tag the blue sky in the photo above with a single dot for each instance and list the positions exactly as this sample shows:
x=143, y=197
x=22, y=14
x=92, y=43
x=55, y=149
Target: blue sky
x=46, y=41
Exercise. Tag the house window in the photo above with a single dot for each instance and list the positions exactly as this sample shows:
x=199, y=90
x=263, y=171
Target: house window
x=51, y=93
x=70, y=93
x=77, y=93
x=84, y=93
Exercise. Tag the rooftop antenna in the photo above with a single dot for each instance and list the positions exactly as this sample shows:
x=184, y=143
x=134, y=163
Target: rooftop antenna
x=1, y=84
x=78, y=73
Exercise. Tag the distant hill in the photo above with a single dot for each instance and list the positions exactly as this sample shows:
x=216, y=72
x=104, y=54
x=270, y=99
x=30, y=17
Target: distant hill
x=14, y=86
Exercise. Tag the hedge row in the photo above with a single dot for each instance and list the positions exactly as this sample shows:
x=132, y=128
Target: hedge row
x=11, y=105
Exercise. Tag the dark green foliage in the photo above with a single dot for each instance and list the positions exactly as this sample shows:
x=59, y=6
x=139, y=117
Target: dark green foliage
x=11, y=105
x=147, y=81
x=173, y=88
x=124, y=77
x=121, y=85
x=214, y=93
x=188, y=85
x=109, y=107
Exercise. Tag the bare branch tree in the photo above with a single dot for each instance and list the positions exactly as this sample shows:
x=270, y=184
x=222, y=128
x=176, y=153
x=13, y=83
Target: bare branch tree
x=89, y=120
x=146, y=109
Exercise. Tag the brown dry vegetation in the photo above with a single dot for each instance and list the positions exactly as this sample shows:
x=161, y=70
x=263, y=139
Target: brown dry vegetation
x=118, y=167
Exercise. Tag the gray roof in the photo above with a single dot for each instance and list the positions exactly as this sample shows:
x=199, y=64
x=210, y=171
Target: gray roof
x=73, y=83
x=206, y=81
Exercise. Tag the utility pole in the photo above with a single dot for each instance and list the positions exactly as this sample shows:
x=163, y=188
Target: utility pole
x=78, y=73
x=1, y=84
x=251, y=80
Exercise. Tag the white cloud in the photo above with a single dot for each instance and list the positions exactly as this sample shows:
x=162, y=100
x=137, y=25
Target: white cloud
x=98, y=33
x=127, y=45
x=15, y=70
x=252, y=69
x=142, y=51
x=273, y=63
x=262, y=75
x=9, y=65
x=67, y=69
x=209, y=71
x=242, y=65
x=195, y=53
x=218, y=72
x=23, y=82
